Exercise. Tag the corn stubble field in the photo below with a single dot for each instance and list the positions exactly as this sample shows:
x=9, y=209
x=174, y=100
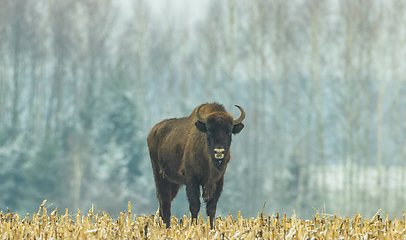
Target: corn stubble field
x=98, y=225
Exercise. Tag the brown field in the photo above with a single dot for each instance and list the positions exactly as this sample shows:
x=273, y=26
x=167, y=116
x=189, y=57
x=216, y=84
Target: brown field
x=99, y=225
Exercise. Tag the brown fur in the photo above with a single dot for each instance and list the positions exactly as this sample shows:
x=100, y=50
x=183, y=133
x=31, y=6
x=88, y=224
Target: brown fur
x=181, y=154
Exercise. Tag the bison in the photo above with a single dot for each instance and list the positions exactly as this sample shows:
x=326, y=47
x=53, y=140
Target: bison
x=192, y=151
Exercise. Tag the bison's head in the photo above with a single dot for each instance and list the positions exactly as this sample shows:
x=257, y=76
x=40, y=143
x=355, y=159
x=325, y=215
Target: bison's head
x=219, y=126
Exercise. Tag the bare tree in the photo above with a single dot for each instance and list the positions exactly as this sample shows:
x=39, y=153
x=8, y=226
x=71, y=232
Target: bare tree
x=18, y=41
x=37, y=63
x=4, y=22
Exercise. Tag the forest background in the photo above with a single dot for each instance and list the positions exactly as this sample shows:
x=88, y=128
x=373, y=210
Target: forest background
x=322, y=82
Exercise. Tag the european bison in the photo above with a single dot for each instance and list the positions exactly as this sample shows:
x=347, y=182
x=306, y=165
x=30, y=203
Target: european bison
x=192, y=151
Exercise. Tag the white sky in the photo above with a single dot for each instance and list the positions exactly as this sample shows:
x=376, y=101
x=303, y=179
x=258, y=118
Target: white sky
x=189, y=10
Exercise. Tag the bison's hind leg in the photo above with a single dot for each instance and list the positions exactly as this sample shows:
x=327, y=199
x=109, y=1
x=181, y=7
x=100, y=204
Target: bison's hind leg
x=166, y=195
x=166, y=191
x=193, y=196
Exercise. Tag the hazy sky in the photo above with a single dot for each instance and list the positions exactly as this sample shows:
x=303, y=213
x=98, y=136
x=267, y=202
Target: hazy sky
x=185, y=9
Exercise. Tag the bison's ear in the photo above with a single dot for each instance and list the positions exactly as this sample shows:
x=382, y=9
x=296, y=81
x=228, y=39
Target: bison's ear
x=201, y=126
x=237, y=128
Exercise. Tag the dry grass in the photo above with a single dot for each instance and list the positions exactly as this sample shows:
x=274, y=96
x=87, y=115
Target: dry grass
x=98, y=225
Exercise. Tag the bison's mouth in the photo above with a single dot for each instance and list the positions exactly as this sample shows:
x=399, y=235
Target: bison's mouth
x=219, y=155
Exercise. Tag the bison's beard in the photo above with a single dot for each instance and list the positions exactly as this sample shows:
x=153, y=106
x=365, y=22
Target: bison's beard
x=218, y=162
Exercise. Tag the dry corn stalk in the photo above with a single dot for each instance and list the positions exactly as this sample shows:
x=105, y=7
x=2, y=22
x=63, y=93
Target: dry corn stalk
x=102, y=226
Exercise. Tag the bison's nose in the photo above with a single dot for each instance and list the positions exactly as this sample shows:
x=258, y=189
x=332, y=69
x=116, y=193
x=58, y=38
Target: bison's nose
x=219, y=153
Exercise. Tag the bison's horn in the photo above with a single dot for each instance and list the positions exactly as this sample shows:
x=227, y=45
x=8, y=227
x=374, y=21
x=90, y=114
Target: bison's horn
x=239, y=120
x=201, y=119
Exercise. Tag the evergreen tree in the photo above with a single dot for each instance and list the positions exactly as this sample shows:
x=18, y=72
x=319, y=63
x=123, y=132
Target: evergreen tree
x=118, y=150
x=14, y=154
x=45, y=177
x=118, y=123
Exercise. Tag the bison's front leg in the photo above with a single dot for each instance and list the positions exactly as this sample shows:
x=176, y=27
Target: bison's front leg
x=211, y=203
x=193, y=196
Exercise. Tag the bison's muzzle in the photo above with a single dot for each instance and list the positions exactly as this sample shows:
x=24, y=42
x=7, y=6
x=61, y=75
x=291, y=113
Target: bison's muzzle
x=219, y=153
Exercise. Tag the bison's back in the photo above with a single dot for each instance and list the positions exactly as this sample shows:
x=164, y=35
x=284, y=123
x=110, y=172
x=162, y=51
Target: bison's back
x=167, y=130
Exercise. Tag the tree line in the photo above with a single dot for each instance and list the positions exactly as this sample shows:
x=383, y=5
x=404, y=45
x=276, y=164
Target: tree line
x=322, y=82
